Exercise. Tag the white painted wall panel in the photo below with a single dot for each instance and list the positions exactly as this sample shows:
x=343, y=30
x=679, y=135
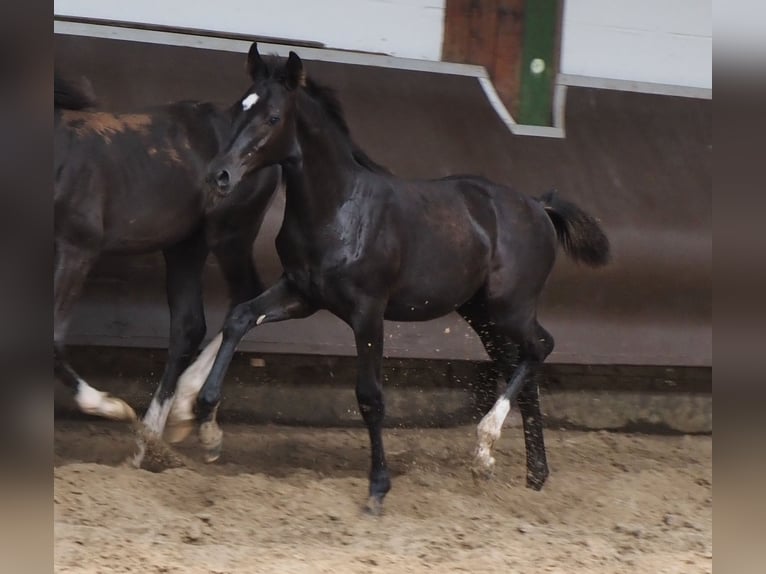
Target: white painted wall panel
x=401, y=28
x=659, y=41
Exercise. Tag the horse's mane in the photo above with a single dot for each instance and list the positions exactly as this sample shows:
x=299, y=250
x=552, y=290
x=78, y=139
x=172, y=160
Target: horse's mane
x=328, y=101
x=67, y=96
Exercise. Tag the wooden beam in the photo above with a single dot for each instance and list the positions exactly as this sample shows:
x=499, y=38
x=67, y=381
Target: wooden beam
x=487, y=33
x=538, y=70
x=506, y=70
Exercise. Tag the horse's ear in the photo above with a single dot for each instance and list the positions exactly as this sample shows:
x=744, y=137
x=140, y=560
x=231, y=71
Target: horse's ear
x=295, y=75
x=256, y=67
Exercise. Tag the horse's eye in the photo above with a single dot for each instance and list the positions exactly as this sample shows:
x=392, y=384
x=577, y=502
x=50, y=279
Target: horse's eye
x=273, y=120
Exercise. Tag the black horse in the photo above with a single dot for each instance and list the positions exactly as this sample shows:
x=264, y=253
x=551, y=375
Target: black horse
x=369, y=246
x=129, y=183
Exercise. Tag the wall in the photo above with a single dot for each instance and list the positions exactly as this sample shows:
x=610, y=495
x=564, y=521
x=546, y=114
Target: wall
x=668, y=42
x=640, y=162
x=402, y=28
x=659, y=41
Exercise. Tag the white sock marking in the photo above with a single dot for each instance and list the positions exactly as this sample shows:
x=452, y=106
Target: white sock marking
x=192, y=379
x=154, y=421
x=488, y=432
x=95, y=402
x=157, y=414
x=260, y=319
x=249, y=101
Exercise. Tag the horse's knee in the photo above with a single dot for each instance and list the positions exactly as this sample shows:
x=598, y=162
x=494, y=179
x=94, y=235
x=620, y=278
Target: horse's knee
x=539, y=347
x=547, y=343
x=370, y=401
x=240, y=319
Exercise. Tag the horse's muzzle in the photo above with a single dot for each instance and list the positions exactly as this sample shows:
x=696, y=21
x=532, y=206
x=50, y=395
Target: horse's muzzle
x=220, y=180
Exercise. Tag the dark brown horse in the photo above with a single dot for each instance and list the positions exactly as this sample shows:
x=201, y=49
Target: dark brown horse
x=128, y=183
x=369, y=246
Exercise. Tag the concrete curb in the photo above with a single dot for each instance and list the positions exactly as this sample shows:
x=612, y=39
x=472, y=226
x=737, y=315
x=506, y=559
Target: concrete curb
x=319, y=391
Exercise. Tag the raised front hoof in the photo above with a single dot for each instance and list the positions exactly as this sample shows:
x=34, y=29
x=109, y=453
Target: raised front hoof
x=181, y=420
x=211, y=438
x=177, y=431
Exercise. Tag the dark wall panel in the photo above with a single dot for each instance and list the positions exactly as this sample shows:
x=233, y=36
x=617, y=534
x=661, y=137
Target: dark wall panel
x=641, y=163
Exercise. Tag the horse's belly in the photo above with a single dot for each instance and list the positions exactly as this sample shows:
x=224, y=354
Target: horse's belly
x=137, y=233
x=432, y=296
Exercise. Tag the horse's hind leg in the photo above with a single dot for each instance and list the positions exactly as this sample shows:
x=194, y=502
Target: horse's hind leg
x=499, y=334
x=529, y=405
x=500, y=349
x=535, y=344
x=72, y=264
x=184, y=263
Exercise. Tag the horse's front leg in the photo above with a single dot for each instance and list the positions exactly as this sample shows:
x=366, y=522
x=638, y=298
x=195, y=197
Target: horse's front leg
x=278, y=303
x=368, y=333
x=233, y=252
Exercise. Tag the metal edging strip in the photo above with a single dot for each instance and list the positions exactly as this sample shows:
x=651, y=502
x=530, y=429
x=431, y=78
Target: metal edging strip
x=211, y=42
x=634, y=86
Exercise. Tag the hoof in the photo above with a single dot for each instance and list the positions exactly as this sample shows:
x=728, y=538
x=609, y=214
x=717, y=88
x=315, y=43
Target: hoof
x=130, y=463
x=125, y=411
x=178, y=431
x=211, y=437
x=482, y=474
x=136, y=460
x=115, y=409
x=536, y=482
x=374, y=506
x=483, y=467
x=213, y=454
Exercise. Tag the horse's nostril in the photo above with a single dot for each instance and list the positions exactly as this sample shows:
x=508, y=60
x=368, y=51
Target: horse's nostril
x=222, y=179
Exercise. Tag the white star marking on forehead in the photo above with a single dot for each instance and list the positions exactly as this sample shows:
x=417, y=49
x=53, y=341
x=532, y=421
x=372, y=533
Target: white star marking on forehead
x=249, y=101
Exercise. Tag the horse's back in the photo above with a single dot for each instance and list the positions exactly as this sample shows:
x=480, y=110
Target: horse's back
x=138, y=174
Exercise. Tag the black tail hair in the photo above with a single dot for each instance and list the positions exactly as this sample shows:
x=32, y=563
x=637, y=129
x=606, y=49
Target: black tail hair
x=67, y=96
x=580, y=235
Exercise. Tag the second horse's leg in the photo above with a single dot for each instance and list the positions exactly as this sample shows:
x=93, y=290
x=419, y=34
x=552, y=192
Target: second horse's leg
x=184, y=263
x=71, y=268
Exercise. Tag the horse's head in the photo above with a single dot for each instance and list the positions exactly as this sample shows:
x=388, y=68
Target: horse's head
x=263, y=122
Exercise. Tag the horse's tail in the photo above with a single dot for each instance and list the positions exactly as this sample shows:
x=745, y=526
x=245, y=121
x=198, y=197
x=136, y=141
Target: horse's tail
x=67, y=96
x=579, y=234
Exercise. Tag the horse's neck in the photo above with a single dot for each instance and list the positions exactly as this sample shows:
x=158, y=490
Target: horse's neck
x=204, y=115
x=219, y=118
x=322, y=180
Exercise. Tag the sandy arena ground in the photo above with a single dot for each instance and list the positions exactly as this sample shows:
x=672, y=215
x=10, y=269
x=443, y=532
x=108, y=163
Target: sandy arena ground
x=288, y=500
